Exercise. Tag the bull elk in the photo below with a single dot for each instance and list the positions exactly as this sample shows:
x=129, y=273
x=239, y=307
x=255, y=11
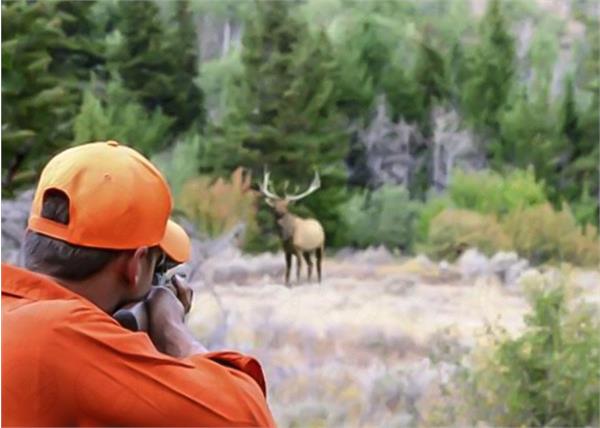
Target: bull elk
x=299, y=236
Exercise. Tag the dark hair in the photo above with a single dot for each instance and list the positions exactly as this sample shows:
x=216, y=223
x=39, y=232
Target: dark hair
x=58, y=258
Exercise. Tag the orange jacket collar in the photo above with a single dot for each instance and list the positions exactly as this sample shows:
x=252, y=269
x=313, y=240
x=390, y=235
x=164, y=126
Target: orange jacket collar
x=34, y=286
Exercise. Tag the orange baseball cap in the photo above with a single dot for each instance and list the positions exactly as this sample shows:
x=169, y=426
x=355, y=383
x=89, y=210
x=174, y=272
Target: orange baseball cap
x=117, y=200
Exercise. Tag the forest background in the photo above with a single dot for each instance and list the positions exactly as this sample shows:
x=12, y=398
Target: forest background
x=435, y=125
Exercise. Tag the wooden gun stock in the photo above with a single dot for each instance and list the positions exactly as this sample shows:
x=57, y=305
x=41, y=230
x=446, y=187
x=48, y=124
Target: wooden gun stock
x=133, y=317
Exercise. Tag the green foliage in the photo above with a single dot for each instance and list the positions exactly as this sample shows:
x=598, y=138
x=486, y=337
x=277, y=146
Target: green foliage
x=431, y=78
x=158, y=61
x=491, y=69
x=542, y=234
x=548, y=374
x=40, y=92
x=386, y=216
x=180, y=163
x=454, y=230
x=118, y=118
x=356, y=69
x=484, y=192
x=530, y=136
x=290, y=95
x=581, y=168
x=490, y=193
x=218, y=83
x=286, y=117
x=585, y=208
x=428, y=212
x=544, y=49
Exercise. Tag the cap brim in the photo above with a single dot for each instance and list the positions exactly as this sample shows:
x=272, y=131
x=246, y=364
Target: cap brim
x=176, y=243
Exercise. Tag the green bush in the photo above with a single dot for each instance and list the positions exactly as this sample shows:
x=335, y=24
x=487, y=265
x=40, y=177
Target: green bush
x=454, y=230
x=387, y=216
x=542, y=234
x=491, y=193
x=485, y=192
x=546, y=376
x=428, y=212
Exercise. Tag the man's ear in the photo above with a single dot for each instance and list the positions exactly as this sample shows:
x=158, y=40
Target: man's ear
x=134, y=265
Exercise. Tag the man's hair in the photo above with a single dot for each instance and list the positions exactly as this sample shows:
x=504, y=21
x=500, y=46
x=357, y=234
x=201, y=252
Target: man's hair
x=58, y=258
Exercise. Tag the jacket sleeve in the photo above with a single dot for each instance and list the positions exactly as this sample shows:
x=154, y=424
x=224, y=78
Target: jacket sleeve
x=116, y=377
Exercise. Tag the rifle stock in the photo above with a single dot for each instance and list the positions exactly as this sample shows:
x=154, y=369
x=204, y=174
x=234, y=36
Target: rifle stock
x=134, y=316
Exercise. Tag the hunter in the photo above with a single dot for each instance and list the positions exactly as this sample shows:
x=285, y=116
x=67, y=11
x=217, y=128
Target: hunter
x=98, y=225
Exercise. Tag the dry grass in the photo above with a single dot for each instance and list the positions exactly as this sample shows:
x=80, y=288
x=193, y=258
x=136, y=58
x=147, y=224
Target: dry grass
x=370, y=346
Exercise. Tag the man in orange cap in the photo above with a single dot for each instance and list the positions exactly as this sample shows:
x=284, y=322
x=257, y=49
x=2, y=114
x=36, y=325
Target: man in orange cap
x=98, y=226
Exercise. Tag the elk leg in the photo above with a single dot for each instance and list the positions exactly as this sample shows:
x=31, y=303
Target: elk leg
x=299, y=265
x=319, y=254
x=288, y=267
x=309, y=263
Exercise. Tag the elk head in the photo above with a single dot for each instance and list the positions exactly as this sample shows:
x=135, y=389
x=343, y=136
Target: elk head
x=280, y=204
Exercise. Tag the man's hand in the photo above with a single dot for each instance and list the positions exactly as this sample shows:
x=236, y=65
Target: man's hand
x=167, y=307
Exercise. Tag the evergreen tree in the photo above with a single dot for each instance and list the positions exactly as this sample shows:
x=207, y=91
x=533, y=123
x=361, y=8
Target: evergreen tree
x=187, y=99
x=582, y=171
x=530, y=136
x=158, y=65
x=356, y=81
x=585, y=168
x=40, y=93
x=287, y=119
x=430, y=76
x=81, y=51
x=490, y=71
x=570, y=127
x=116, y=116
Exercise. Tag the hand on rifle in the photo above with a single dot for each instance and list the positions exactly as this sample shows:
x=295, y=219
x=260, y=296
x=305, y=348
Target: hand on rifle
x=162, y=314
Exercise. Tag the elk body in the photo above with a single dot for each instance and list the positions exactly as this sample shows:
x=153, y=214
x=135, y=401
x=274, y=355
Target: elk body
x=300, y=237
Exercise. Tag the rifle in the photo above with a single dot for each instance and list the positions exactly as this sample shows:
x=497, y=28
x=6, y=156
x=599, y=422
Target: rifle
x=134, y=316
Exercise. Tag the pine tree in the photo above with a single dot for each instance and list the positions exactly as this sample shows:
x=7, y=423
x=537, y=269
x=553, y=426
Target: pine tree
x=187, y=99
x=158, y=65
x=287, y=119
x=116, y=116
x=570, y=127
x=430, y=76
x=530, y=136
x=583, y=168
x=491, y=70
x=39, y=94
x=356, y=77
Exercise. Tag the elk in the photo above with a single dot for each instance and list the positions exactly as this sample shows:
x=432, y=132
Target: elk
x=299, y=236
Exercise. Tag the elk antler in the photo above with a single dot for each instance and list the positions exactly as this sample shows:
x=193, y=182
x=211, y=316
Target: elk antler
x=264, y=187
x=315, y=185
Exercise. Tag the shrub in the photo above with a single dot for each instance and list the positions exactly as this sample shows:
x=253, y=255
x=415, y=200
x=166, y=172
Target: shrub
x=548, y=375
x=454, y=230
x=490, y=193
x=585, y=208
x=542, y=234
x=485, y=192
x=428, y=212
x=217, y=206
x=387, y=217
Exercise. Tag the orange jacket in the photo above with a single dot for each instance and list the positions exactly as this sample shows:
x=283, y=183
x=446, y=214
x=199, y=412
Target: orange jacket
x=66, y=362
